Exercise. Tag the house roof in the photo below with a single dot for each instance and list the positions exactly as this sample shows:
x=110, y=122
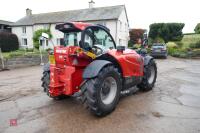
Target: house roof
x=89, y=14
x=5, y=22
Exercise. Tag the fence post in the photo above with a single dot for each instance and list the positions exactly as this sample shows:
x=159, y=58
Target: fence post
x=2, y=60
x=41, y=58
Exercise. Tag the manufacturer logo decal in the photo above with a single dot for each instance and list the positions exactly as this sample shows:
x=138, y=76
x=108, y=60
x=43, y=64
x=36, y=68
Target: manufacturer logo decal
x=61, y=51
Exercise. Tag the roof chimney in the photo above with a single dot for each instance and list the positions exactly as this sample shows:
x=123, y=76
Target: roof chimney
x=91, y=4
x=28, y=12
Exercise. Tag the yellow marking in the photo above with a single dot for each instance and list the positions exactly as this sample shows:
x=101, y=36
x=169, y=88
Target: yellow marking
x=52, y=59
x=90, y=54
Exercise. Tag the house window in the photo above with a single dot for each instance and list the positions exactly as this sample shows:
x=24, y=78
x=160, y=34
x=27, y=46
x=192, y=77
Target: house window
x=24, y=42
x=24, y=29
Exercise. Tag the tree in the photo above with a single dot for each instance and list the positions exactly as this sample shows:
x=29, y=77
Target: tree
x=197, y=28
x=136, y=35
x=166, y=31
x=37, y=34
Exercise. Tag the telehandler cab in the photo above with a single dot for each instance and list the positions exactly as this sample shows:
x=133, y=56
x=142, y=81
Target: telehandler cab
x=90, y=66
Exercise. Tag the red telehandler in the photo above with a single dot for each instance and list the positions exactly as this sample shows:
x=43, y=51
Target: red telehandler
x=91, y=67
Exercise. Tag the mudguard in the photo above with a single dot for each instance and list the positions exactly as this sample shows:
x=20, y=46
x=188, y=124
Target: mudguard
x=147, y=59
x=46, y=67
x=94, y=68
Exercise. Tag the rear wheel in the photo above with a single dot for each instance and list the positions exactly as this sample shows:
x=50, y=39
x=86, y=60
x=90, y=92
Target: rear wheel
x=45, y=84
x=103, y=92
x=46, y=80
x=149, y=78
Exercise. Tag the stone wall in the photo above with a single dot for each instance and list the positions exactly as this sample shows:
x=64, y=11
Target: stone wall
x=25, y=61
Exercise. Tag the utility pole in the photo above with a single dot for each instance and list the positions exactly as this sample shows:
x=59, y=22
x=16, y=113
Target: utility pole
x=40, y=49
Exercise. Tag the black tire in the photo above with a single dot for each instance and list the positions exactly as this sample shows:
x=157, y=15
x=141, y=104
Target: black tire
x=147, y=84
x=92, y=97
x=46, y=80
x=45, y=84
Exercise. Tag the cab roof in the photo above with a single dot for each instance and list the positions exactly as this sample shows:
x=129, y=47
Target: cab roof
x=72, y=26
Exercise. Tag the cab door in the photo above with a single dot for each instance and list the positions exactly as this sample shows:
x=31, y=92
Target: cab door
x=97, y=37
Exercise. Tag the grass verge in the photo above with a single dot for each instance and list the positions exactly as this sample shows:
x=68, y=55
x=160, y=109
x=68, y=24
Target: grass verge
x=21, y=53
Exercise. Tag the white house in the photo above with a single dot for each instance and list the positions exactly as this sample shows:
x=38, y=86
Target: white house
x=113, y=17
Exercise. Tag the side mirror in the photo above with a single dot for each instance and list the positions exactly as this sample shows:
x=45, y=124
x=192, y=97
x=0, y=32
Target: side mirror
x=45, y=35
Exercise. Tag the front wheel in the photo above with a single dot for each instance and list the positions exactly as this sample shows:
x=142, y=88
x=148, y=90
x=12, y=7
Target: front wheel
x=149, y=78
x=103, y=92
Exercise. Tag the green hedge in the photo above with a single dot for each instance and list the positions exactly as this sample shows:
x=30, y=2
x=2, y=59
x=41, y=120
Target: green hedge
x=23, y=53
x=183, y=53
x=195, y=45
x=8, y=42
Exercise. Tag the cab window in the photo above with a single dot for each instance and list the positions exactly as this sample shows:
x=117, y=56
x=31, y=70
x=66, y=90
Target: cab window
x=104, y=39
x=97, y=37
x=72, y=38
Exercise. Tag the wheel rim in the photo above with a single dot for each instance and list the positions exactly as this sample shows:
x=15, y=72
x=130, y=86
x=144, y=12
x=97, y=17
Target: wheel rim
x=109, y=90
x=151, y=75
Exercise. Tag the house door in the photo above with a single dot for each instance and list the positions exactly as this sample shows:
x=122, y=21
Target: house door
x=44, y=44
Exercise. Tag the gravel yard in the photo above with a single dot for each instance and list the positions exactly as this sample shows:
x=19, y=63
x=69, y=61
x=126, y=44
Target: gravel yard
x=172, y=106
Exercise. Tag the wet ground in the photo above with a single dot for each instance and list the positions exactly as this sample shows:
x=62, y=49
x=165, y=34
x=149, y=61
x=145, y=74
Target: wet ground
x=172, y=107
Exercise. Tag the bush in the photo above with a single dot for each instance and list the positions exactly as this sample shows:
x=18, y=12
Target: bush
x=176, y=52
x=197, y=28
x=196, y=52
x=179, y=44
x=195, y=45
x=29, y=49
x=130, y=44
x=171, y=50
x=8, y=42
x=136, y=46
x=172, y=45
x=183, y=53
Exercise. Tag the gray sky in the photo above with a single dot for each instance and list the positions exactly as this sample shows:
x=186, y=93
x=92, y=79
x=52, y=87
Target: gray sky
x=141, y=13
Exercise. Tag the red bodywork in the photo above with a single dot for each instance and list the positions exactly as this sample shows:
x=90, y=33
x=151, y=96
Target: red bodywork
x=66, y=73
